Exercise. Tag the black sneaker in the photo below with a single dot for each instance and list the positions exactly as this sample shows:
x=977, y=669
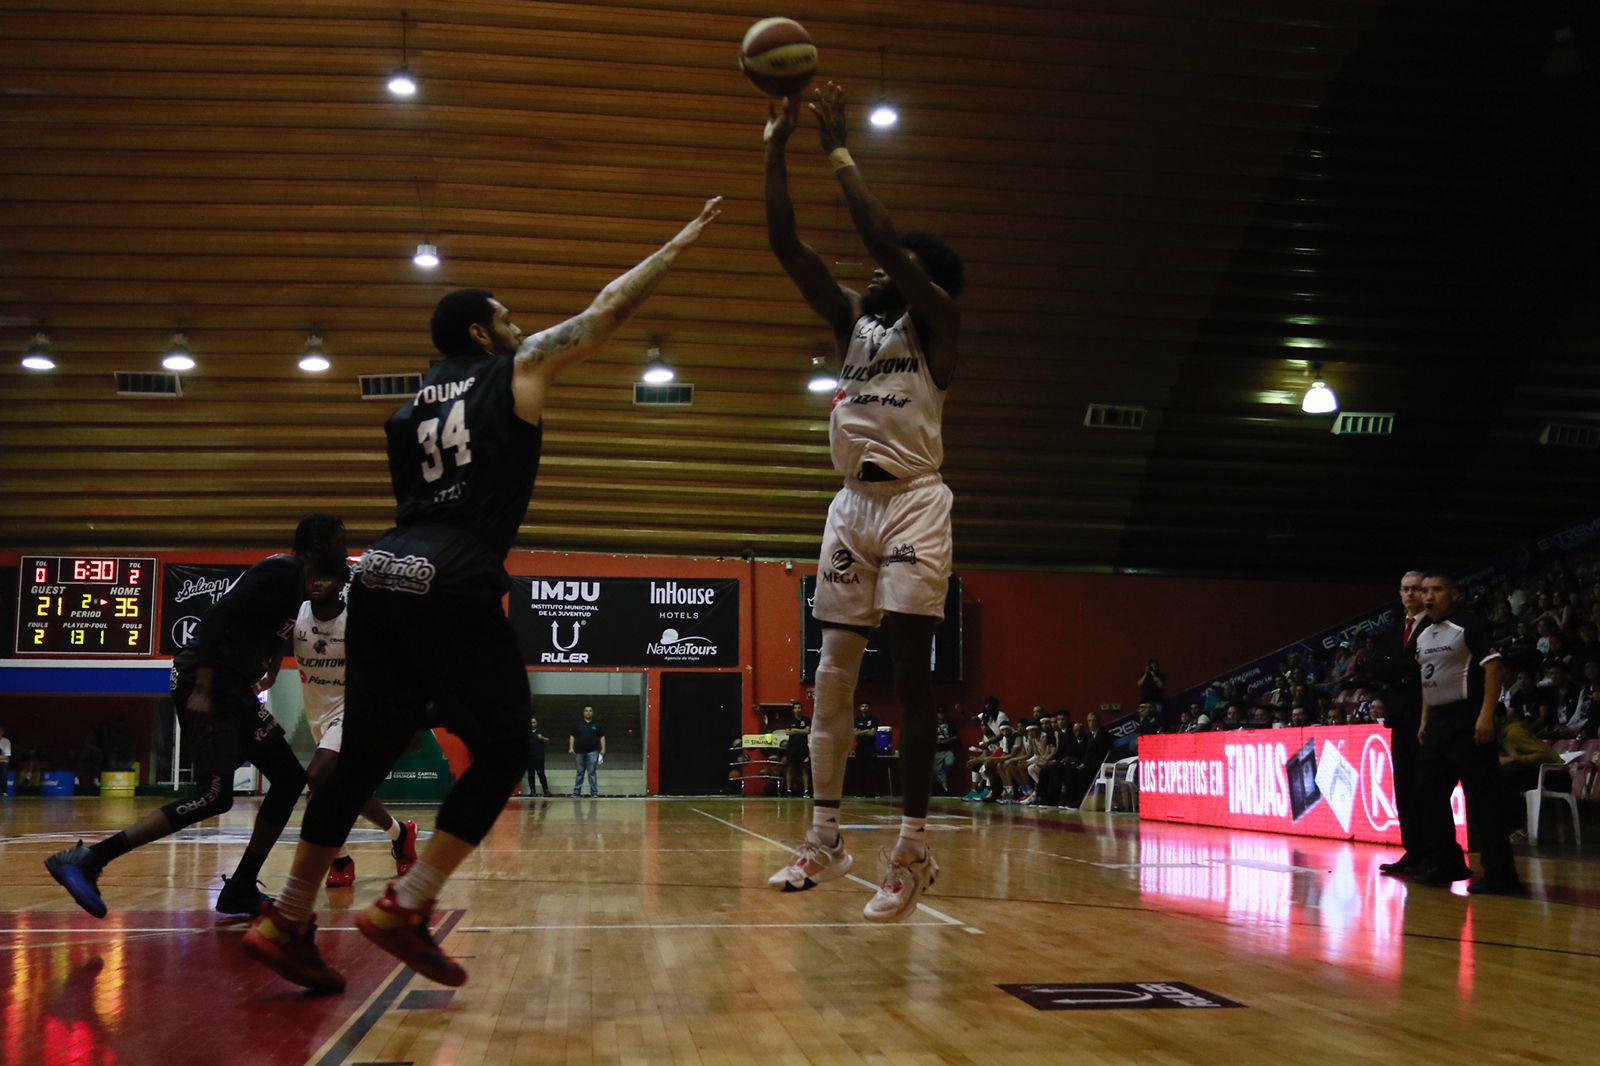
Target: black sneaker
x=78, y=871
x=241, y=899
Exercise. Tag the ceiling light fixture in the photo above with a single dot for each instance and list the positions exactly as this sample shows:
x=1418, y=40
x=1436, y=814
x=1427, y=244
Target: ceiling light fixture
x=656, y=371
x=883, y=115
x=178, y=356
x=314, y=360
x=37, y=357
x=821, y=380
x=1319, y=399
x=427, y=256
x=401, y=83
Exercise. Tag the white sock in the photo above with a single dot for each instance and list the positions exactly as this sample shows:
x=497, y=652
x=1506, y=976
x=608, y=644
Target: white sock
x=297, y=899
x=420, y=887
x=394, y=829
x=825, y=820
x=913, y=835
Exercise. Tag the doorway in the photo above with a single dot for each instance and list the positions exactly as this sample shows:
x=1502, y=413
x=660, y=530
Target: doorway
x=619, y=705
x=700, y=721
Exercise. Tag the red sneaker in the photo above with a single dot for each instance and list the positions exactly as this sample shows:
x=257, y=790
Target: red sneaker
x=404, y=934
x=342, y=874
x=405, y=848
x=289, y=949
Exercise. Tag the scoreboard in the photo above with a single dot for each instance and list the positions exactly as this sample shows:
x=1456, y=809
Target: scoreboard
x=78, y=605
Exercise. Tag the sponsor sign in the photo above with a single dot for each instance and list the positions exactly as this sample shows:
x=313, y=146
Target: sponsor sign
x=187, y=593
x=639, y=622
x=1326, y=781
x=876, y=666
x=1108, y=995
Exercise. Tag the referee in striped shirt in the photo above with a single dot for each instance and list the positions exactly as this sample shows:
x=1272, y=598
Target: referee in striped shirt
x=1461, y=674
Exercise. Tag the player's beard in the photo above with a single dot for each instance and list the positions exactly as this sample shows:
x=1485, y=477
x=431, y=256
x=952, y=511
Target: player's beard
x=880, y=301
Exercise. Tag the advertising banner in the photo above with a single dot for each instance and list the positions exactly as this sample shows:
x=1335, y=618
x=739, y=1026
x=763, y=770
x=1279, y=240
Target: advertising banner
x=1333, y=781
x=187, y=593
x=637, y=622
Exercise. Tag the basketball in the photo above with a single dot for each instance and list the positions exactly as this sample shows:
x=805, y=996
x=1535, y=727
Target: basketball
x=778, y=57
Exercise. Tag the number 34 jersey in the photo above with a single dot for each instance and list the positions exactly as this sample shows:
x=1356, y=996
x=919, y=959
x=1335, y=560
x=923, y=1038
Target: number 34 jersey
x=462, y=465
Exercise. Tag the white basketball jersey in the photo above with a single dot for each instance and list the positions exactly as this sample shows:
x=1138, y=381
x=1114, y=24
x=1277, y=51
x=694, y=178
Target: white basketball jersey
x=887, y=410
x=319, y=651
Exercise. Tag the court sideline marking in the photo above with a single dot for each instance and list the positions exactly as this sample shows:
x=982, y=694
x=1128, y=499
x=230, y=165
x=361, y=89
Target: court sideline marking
x=345, y=1040
x=943, y=917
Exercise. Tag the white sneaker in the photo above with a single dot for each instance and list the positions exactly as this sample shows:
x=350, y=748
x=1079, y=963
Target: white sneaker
x=904, y=883
x=814, y=863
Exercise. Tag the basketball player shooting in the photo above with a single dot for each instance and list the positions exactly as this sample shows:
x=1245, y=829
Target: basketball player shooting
x=425, y=622
x=886, y=545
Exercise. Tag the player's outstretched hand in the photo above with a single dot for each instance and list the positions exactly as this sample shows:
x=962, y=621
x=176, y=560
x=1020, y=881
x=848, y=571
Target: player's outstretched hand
x=691, y=233
x=781, y=121
x=828, y=105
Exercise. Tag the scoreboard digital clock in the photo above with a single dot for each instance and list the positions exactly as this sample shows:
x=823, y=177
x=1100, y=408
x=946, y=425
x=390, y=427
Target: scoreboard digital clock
x=78, y=605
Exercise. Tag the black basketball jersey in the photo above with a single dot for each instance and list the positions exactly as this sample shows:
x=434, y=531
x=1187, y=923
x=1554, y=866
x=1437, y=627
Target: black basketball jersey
x=247, y=630
x=462, y=465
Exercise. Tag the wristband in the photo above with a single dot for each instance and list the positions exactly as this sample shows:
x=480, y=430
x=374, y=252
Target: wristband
x=840, y=158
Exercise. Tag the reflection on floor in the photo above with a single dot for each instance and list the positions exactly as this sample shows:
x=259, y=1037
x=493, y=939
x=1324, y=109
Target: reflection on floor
x=621, y=930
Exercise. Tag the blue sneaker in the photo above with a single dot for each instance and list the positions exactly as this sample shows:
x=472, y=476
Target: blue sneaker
x=78, y=871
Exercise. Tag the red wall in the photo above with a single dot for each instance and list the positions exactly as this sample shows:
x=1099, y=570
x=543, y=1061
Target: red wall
x=1061, y=640
x=1079, y=640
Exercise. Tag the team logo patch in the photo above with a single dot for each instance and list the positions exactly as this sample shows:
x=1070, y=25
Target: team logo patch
x=411, y=573
x=902, y=553
x=843, y=560
x=320, y=647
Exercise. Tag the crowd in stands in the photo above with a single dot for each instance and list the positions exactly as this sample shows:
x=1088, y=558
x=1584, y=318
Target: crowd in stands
x=1545, y=624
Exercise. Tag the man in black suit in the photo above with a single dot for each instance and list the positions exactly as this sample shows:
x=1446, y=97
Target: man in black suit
x=1096, y=746
x=1394, y=673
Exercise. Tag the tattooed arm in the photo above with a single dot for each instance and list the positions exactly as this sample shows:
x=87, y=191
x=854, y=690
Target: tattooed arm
x=546, y=353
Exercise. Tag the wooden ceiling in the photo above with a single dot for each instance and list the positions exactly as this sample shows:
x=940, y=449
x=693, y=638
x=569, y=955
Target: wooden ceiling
x=1165, y=203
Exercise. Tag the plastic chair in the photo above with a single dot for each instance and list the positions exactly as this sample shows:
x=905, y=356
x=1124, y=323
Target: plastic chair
x=1105, y=781
x=1534, y=797
x=1130, y=780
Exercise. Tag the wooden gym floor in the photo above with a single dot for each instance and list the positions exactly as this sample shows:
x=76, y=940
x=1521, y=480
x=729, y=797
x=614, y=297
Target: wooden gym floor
x=629, y=930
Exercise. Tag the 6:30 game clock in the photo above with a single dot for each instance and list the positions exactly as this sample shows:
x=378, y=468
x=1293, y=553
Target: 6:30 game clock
x=81, y=605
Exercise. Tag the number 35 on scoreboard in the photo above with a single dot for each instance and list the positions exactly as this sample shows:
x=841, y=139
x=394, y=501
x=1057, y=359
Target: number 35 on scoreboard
x=77, y=605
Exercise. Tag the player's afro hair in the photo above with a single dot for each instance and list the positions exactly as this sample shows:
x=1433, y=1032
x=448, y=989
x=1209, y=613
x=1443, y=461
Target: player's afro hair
x=940, y=260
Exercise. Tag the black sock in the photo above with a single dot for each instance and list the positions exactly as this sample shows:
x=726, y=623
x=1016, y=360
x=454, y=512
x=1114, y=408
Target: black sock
x=249, y=868
x=112, y=847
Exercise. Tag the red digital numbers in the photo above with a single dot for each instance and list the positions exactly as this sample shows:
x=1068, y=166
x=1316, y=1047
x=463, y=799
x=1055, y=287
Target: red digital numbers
x=41, y=574
x=94, y=570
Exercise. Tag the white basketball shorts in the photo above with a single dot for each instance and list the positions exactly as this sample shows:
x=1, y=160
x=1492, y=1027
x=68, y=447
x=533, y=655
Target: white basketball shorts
x=328, y=730
x=886, y=547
